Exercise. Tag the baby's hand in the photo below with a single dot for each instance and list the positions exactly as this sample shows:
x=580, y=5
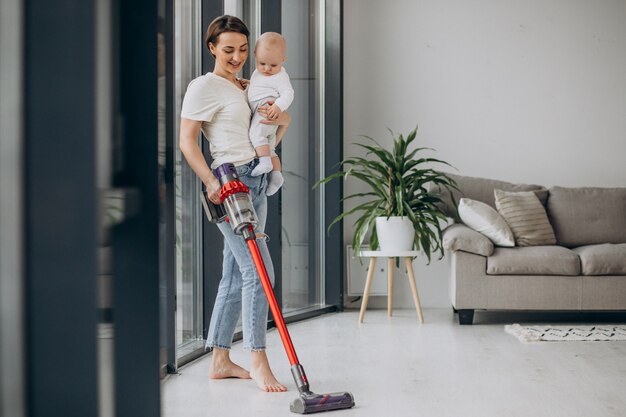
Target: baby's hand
x=243, y=82
x=273, y=112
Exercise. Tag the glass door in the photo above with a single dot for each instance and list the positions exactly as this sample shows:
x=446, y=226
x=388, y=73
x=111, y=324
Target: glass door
x=302, y=158
x=188, y=228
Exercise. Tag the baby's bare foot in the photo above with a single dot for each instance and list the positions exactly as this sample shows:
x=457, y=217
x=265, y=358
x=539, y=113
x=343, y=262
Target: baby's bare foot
x=265, y=379
x=227, y=369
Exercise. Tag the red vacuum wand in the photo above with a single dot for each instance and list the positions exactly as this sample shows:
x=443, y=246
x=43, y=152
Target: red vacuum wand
x=278, y=317
x=240, y=213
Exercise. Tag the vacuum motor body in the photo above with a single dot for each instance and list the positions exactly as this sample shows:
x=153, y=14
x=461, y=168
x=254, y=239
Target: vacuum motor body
x=236, y=205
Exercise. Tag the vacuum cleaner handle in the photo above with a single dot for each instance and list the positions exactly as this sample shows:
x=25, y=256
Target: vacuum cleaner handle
x=214, y=212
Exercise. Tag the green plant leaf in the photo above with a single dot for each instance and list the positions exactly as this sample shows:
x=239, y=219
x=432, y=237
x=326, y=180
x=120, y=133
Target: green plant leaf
x=399, y=181
x=358, y=195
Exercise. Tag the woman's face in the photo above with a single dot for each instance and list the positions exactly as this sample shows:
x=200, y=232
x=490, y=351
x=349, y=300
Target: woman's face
x=231, y=51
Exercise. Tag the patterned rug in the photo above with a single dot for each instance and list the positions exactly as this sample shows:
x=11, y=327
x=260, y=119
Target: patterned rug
x=570, y=333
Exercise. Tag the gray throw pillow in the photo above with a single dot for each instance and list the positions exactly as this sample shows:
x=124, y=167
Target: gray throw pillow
x=526, y=217
x=479, y=189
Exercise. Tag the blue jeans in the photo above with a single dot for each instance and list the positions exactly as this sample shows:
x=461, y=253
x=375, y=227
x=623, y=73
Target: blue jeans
x=240, y=290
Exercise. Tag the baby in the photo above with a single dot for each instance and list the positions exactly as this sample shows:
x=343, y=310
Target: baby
x=269, y=83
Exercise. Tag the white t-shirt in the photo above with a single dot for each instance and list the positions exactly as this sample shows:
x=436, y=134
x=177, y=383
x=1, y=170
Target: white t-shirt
x=225, y=115
x=277, y=85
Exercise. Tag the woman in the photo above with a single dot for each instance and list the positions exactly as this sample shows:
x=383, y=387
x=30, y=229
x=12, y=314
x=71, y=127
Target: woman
x=216, y=104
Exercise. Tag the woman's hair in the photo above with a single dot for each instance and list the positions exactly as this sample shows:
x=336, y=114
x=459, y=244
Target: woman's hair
x=223, y=24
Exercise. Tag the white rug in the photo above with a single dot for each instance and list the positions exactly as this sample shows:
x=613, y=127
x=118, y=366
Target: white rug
x=570, y=333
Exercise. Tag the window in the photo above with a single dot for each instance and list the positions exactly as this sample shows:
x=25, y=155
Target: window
x=298, y=237
x=189, y=311
x=302, y=159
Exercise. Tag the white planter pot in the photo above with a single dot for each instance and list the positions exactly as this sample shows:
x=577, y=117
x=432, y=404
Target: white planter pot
x=395, y=233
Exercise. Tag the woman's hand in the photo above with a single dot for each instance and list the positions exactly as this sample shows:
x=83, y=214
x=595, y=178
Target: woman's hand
x=283, y=119
x=273, y=112
x=213, y=188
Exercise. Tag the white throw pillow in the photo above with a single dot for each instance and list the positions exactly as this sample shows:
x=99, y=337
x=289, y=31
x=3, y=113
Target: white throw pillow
x=486, y=220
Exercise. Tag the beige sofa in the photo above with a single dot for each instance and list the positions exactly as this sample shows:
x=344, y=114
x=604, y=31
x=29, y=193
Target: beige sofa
x=585, y=271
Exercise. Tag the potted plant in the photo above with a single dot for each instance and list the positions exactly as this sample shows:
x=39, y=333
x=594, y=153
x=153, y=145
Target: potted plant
x=399, y=180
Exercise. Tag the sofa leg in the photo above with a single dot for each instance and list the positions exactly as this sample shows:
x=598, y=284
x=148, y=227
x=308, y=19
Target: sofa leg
x=466, y=316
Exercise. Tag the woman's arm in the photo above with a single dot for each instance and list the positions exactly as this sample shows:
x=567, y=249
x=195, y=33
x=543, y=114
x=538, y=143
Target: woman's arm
x=189, y=130
x=282, y=129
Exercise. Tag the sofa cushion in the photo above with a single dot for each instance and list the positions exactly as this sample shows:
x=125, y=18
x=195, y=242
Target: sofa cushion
x=533, y=260
x=460, y=237
x=480, y=189
x=526, y=216
x=587, y=216
x=484, y=219
x=606, y=259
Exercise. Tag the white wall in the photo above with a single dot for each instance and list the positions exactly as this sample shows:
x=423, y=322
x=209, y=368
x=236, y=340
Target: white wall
x=523, y=91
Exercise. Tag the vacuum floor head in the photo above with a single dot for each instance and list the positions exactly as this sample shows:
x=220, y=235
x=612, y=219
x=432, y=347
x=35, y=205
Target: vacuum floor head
x=315, y=403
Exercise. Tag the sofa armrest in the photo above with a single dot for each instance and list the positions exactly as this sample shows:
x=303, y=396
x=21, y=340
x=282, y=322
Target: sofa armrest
x=460, y=237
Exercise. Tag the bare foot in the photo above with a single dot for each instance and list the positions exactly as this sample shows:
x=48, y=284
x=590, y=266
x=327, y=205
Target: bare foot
x=266, y=380
x=261, y=373
x=222, y=367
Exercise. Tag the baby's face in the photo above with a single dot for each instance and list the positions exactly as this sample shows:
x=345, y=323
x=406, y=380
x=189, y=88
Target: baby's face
x=269, y=60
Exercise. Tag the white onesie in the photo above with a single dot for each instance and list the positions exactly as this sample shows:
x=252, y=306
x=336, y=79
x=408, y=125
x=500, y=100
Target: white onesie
x=262, y=88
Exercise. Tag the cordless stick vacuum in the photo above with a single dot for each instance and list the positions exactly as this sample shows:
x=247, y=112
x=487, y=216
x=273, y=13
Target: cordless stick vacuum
x=237, y=209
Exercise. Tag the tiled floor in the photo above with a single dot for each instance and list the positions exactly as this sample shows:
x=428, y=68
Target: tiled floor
x=397, y=367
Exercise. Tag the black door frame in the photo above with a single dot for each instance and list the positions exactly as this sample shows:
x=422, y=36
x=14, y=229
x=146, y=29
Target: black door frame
x=333, y=145
x=136, y=241
x=60, y=215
